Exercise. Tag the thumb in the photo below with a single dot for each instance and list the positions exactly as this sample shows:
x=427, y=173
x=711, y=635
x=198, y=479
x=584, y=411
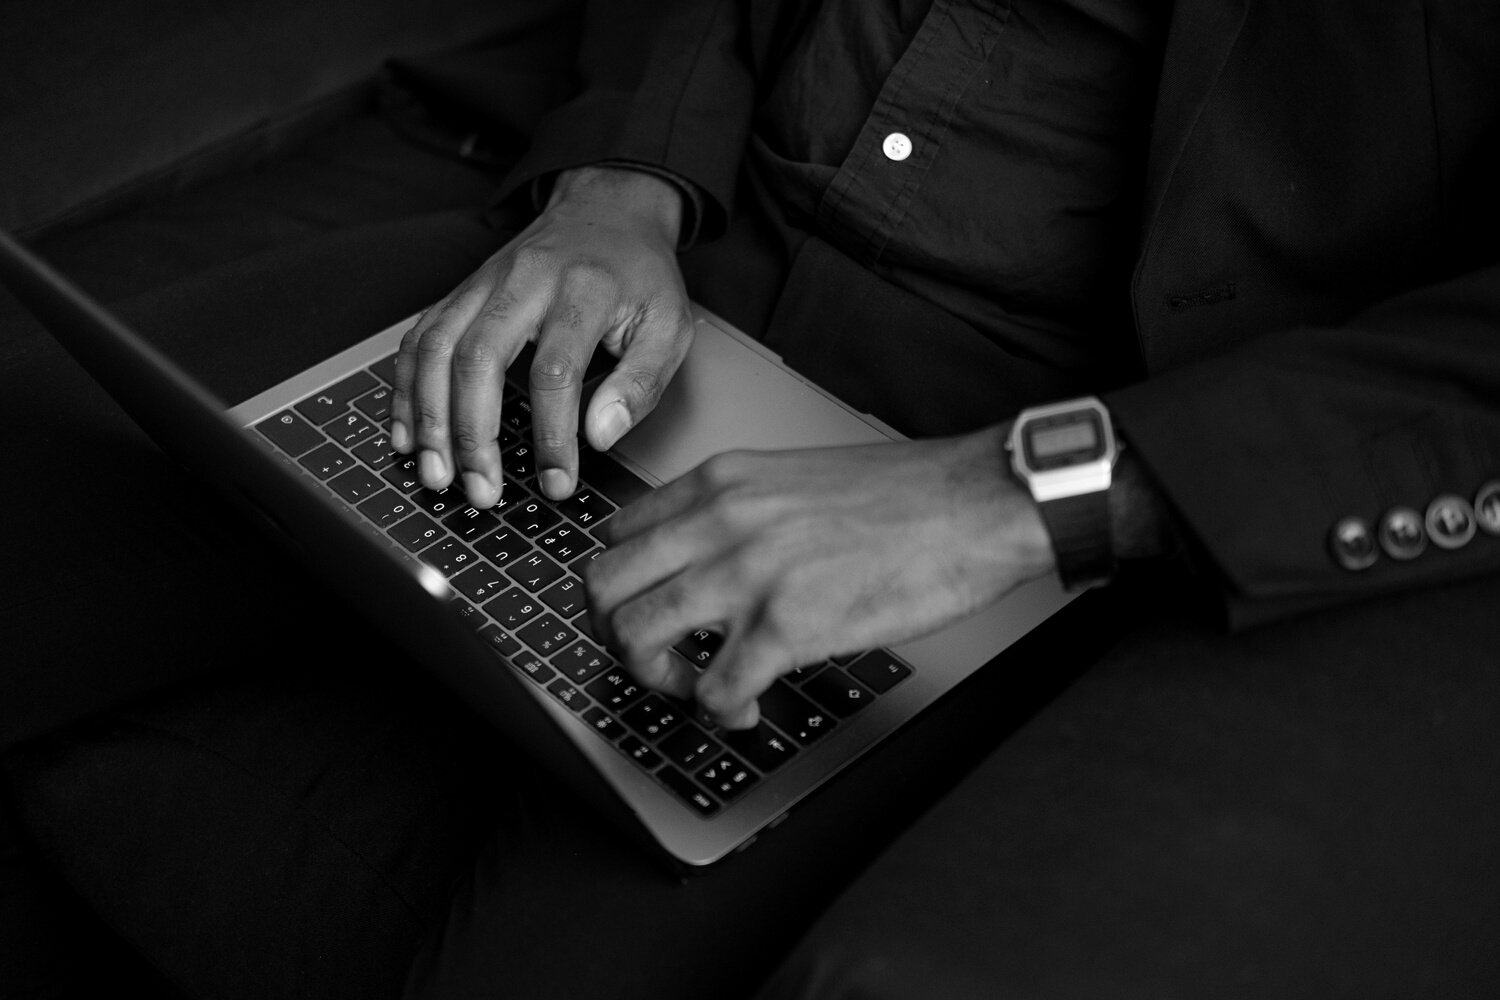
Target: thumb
x=635, y=386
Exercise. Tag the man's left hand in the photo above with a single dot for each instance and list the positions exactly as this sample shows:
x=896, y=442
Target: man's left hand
x=796, y=556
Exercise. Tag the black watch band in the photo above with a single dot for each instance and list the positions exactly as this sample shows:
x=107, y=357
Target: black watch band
x=1085, y=556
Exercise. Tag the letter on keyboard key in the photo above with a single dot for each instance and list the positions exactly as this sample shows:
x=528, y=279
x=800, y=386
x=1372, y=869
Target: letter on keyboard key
x=763, y=746
x=794, y=714
x=838, y=692
x=880, y=671
x=291, y=433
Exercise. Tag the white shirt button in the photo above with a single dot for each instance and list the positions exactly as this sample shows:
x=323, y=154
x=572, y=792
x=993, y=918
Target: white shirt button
x=897, y=146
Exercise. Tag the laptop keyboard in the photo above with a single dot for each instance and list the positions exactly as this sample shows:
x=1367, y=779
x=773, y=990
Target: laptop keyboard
x=515, y=568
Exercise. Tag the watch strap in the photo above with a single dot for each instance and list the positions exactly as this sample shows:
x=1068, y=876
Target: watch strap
x=1079, y=526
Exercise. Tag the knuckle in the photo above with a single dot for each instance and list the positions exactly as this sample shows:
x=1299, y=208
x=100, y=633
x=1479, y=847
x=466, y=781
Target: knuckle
x=625, y=627
x=530, y=258
x=499, y=307
x=553, y=370
x=590, y=278
x=645, y=386
x=469, y=439
x=548, y=442
x=433, y=349
x=723, y=470
x=476, y=360
x=429, y=416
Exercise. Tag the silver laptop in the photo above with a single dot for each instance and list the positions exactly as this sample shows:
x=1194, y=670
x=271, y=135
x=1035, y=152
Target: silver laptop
x=491, y=601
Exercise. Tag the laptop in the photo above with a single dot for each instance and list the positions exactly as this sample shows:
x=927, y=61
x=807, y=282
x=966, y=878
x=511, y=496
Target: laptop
x=491, y=601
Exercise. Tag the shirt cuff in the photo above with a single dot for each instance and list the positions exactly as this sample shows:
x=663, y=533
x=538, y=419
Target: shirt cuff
x=692, y=198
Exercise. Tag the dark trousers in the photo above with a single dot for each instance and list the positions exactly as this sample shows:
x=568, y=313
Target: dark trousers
x=230, y=768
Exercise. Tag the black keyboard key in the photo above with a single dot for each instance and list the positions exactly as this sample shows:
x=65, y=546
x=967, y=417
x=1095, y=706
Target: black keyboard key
x=518, y=461
x=449, y=556
x=470, y=523
x=586, y=507
x=688, y=747
x=532, y=517
x=793, y=714
x=403, y=474
x=566, y=597
x=502, y=547
x=682, y=786
x=501, y=641
x=511, y=494
x=333, y=400
x=610, y=479
x=653, y=717
x=838, y=692
x=387, y=507
x=385, y=368
x=616, y=689
x=564, y=542
x=800, y=674
x=515, y=413
x=416, y=532
x=535, y=572
x=291, y=433
x=375, y=404
x=568, y=695
x=546, y=635
x=581, y=661
x=764, y=747
x=469, y=614
x=326, y=461
x=640, y=752
x=349, y=429
x=441, y=503
x=377, y=452
x=726, y=776
x=356, y=484
x=480, y=582
x=533, y=666
x=604, y=724
x=699, y=647
x=880, y=671
x=513, y=608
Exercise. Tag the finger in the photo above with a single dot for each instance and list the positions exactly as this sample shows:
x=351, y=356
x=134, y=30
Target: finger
x=428, y=354
x=621, y=573
x=676, y=498
x=406, y=374
x=478, y=379
x=645, y=627
x=569, y=334
x=653, y=353
x=741, y=671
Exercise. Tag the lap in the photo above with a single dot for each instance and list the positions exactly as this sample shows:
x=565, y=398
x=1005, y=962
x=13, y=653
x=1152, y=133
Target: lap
x=1307, y=809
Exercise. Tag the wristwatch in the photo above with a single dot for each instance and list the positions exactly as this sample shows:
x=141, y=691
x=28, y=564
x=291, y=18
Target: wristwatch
x=1065, y=454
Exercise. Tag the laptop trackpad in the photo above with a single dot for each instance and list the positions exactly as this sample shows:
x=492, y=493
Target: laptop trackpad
x=727, y=395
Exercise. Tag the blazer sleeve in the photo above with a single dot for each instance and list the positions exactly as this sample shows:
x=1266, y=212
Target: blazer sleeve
x=1264, y=449
x=666, y=84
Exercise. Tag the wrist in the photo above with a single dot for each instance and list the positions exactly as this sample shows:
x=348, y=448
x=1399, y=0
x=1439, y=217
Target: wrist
x=1141, y=523
x=641, y=195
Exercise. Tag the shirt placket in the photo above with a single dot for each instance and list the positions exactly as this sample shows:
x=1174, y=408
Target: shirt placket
x=880, y=179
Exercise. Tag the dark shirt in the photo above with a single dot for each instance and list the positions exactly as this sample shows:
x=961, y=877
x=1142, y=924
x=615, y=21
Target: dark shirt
x=986, y=156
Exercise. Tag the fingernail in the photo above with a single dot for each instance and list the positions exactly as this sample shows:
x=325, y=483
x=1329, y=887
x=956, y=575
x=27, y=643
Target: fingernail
x=400, y=436
x=481, y=491
x=614, y=421
x=556, y=483
x=434, y=470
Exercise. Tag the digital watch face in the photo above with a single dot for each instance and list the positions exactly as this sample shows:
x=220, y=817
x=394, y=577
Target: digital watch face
x=1063, y=439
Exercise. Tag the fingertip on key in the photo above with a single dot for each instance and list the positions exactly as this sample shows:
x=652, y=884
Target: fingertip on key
x=556, y=483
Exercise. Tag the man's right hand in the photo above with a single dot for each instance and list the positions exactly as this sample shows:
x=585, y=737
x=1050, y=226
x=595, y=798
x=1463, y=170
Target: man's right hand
x=598, y=266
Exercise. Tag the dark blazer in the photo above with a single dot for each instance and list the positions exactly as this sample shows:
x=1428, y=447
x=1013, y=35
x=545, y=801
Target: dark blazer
x=1316, y=295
